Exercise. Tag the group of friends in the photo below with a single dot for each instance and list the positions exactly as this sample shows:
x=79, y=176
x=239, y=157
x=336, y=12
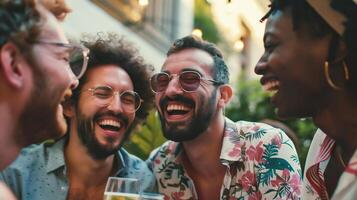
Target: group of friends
x=85, y=99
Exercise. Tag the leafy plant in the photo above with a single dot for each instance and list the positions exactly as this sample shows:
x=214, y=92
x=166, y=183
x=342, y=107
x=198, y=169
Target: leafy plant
x=146, y=137
x=203, y=20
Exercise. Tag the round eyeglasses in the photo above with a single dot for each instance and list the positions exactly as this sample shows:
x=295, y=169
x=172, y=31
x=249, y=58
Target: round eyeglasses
x=78, y=56
x=189, y=81
x=104, y=95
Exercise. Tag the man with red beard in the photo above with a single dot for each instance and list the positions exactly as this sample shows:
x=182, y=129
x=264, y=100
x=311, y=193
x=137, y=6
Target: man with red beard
x=112, y=97
x=36, y=76
x=211, y=157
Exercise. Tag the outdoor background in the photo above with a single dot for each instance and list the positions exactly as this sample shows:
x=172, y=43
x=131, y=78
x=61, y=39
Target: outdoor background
x=152, y=25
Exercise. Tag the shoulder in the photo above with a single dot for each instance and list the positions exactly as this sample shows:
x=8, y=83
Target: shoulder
x=131, y=160
x=29, y=163
x=31, y=155
x=137, y=168
x=264, y=144
x=165, y=151
x=257, y=132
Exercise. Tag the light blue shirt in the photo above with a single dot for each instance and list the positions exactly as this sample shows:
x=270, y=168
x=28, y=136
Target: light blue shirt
x=39, y=173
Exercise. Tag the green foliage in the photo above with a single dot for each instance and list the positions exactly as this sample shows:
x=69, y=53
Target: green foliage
x=146, y=137
x=203, y=20
x=251, y=103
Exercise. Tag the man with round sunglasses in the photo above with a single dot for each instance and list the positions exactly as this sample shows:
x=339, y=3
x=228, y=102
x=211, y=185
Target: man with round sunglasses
x=209, y=156
x=112, y=97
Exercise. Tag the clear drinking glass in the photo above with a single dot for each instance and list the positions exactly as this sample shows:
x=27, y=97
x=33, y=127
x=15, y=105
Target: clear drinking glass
x=151, y=196
x=122, y=189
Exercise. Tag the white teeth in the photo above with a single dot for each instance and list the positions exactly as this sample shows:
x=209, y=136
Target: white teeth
x=271, y=85
x=177, y=107
x=110, y=122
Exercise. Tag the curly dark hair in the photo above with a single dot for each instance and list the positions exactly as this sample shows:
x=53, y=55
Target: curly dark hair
x=112, y=49
x=220, y=69
x=20, y=22
x=303, y=15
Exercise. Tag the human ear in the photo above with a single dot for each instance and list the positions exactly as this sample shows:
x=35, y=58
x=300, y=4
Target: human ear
x=13, y=71
x=226, y=92
x=68, y=108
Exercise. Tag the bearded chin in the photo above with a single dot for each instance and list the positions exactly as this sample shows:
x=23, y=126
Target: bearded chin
x=192, y=129
x=86, y=134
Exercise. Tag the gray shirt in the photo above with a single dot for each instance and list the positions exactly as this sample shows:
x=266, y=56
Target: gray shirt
x=40, y=172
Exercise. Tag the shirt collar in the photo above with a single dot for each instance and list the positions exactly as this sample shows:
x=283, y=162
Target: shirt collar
x=232, y=146
x=231, y=141
x=121, y=158
x=54, y=153
x=55, y=156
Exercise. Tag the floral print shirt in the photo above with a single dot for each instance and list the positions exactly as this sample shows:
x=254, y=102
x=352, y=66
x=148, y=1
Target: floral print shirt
x=318, y=157
x=261, y=163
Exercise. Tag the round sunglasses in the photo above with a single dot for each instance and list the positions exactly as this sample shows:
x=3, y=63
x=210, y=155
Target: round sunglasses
x=189, y=81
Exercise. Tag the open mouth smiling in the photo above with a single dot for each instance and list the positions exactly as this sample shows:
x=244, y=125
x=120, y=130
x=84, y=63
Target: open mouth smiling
x=270, y=84
x=177, y=109
x=110, y=124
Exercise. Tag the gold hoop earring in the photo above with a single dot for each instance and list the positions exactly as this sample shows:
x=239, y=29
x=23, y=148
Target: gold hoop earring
x=328, y=78
x=345, y=70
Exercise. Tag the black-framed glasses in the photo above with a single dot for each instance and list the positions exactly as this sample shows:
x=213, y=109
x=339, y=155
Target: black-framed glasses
x=78, y=56
x=189, y=81
x=104, y=95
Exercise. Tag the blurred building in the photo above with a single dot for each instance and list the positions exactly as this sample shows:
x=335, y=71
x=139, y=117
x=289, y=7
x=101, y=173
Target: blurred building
x=238, y=22
x=151, y=25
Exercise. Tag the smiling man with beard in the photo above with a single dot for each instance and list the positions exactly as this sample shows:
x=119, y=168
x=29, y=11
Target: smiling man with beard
x=35, y=76
x=112, y=97
x=211, y=157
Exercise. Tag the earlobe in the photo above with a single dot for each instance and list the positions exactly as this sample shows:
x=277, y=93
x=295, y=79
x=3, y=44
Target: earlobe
x=12, y=70
x=68, y=109
x=226, y=95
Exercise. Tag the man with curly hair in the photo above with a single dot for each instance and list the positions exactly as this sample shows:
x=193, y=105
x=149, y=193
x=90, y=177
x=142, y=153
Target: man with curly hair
x=112, y=97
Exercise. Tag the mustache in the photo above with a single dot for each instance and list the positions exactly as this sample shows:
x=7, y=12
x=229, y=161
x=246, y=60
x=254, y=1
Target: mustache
x=166, y=100
x=119, y=116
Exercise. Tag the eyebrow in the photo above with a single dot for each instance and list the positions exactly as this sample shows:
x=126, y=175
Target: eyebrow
x=185, y=70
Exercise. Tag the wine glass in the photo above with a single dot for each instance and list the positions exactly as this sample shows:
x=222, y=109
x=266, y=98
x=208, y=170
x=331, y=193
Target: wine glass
x=122, y=189
x=151, y=196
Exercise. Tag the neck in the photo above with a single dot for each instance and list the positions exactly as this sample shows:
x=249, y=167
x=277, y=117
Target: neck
x=338, y=121
x=83, y=169
x=9, y=147
x=205, y=149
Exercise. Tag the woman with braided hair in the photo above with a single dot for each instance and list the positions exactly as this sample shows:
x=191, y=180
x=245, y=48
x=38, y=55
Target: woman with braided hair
x=310, y=64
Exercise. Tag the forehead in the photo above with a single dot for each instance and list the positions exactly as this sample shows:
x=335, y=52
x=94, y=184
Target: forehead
x=279, y=24
x=51, y=30
x=195, y=59
x=111, y=75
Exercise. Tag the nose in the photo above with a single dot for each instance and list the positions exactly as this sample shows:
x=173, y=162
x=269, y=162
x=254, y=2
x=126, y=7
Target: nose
x=174, y=87
x=115, y=104
x=73, y=79
x=261, y=66
x=74, y=83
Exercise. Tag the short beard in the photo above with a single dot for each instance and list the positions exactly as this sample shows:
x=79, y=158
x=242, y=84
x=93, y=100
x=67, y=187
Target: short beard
x=85, y=130
x=38, y=121
x=196, y=127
